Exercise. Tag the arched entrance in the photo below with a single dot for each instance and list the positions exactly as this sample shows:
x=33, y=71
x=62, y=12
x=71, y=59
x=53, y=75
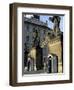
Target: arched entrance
x=52, y=63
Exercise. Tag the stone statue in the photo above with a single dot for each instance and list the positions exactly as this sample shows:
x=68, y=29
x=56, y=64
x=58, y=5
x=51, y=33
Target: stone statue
x=56, y=23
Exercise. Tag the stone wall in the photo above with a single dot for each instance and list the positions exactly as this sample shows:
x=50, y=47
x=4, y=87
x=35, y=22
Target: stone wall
x=55, y=48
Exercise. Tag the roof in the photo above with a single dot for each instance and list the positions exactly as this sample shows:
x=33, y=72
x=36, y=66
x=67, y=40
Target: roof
x=36, y=21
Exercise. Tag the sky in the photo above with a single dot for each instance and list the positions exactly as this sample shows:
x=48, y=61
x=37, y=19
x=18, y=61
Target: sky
x=45, y=18
x=50, y=24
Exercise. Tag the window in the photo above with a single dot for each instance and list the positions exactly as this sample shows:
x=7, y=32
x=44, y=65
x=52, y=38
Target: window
x=44, y=31
x=27, y=27
x=27, y=38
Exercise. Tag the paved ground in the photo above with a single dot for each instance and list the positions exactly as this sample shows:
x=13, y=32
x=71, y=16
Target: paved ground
x=34, y=72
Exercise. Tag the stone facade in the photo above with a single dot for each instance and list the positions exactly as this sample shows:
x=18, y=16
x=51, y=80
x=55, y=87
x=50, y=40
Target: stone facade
x=55, y=47
x=37, y=33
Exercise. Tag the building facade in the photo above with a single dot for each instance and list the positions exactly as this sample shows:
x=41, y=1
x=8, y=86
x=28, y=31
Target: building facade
x=39, y=42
